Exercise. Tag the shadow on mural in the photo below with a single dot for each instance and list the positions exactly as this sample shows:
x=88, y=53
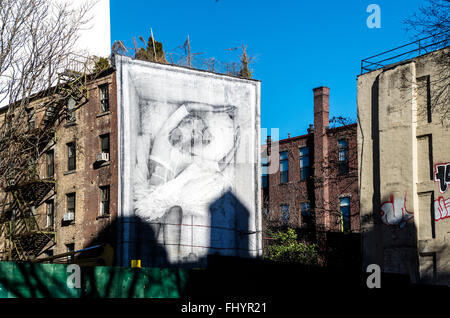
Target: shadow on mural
x=232, y=273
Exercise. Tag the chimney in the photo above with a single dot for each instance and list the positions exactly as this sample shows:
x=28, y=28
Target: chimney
x=269, y=145
x=310, y=129
x=322, y=190
x=321, y=109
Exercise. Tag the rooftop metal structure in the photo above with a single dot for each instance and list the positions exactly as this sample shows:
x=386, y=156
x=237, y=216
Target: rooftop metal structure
x=405, y=52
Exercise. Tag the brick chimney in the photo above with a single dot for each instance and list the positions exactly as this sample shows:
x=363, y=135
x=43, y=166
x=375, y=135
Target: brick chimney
x=322, y=193
x=321, y=108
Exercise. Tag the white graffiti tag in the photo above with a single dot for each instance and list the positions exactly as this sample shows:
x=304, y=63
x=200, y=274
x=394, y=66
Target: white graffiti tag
x=394, y=212
x=441, y=208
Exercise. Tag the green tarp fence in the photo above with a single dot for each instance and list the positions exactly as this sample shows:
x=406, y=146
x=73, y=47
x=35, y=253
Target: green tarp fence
x=28, y=280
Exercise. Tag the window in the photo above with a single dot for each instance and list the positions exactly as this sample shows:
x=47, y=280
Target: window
x=49, y=113
x=104, y=98
x=50, y=162
x=344, y=204
x=71, y=104
x=71, y=155
x=306, y=214
x=265, y=164
x=306, y=210
x=343, y=156
x=104, y=201
x=50, y=212
x=31, y=118
x=70, y=248
x=284, y=167
x=285, y=213
x=70, y=202
x=104, y=143
x=304, y=163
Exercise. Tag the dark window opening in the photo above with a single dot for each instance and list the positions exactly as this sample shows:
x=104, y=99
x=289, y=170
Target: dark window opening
x=304, y=163
x=70, y=248
x=104, y=201
x=104, y=97
x=284, y=167
x=50, y=162
x=285, y=213
x=344, y=204
x=306, y=214
x=31, y=119
x=264, y=171
x=71, y=203
x=104, y=143
x=71, y=104
x=343, y=156
x=71, y=155
x=50, y=212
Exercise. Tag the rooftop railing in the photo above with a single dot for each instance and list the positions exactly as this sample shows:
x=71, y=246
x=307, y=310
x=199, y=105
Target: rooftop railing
x=407, y=51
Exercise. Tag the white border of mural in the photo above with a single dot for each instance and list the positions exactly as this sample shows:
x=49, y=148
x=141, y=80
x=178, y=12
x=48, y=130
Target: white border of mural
x=139, y=82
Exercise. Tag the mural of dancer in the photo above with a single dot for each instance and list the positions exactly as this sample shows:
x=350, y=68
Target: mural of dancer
x=189, y=166
x=189, y=144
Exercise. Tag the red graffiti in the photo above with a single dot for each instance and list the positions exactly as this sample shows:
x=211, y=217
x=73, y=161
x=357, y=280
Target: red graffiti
x=441, y=208
x=394, y=212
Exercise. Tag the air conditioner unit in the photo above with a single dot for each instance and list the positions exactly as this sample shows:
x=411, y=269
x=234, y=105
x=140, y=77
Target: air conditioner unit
x=103, y=156
x=70, y=216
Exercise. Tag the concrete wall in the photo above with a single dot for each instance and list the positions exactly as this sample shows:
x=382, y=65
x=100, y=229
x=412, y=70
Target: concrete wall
x=188, y=164
x=400, y=142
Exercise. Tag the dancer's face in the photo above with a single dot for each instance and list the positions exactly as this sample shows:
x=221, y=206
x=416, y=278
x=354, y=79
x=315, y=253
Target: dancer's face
x=210, y=136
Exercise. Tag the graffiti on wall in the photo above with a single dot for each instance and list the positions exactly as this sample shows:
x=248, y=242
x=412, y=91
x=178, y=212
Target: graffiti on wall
x=394, y=212
x=442, y=175
x=441, y=208
x=442, y=205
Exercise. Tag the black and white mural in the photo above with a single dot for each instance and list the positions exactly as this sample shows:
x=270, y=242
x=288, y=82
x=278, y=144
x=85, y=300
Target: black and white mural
x=189, y=164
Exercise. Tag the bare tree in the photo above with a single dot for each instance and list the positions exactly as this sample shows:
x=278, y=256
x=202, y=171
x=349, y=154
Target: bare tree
x=182, y=55
x=36, y=42
x=39, y=69
x=433, y=22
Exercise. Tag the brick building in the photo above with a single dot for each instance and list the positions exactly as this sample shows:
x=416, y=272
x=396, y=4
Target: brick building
x=74, y=188
x=315, y=189
x=79, y=209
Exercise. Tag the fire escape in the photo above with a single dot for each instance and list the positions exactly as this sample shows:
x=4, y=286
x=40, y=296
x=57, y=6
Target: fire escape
x=22, y=237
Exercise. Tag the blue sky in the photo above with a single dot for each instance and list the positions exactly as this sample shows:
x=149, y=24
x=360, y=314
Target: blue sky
x=297, y=45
